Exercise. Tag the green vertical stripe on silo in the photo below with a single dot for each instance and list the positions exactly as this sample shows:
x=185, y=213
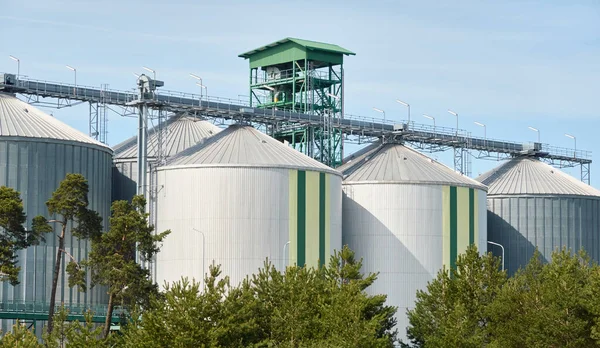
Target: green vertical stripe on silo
x=471, y=216
x=453, y=226
x=322, y=194
x=301, y=246
x=292, y=249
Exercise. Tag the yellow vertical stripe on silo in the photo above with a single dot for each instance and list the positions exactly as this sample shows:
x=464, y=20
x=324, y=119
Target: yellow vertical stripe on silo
x=312, y=219
x=446, y=226
x=292, y=249
x=463, y=220
x=328, y=251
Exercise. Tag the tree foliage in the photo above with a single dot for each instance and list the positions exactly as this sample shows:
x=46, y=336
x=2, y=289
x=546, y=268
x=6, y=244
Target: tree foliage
x=19, y=336
x=547, y=305
x=112, y=259
x=556, y=304
x=69, y=204
x=453, y=312
x=301, y=307
x=13, y=234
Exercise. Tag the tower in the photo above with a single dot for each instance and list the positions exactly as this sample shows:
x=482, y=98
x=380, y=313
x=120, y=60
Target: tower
x=305, y=77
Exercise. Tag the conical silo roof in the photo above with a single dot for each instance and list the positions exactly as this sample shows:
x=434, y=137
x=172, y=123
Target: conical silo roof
x=244, y=146
x=19, y=119
x=530, y=176
x=183, y=131
x=396, y=163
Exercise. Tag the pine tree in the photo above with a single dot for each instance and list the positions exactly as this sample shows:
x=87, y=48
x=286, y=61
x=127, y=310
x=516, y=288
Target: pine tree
x=69, y=203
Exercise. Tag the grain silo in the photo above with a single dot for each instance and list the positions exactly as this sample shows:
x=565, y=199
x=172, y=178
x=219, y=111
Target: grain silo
x=182, y=131
x=242, y=197
x=533, y=205
x=408, y=216
x=36, y=153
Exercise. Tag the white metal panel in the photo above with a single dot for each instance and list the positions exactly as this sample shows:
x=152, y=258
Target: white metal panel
x=240, y=145
x=530, y=176
x=400, y=164
x=482, y=224
x=335, y=217
x=397, y=230
x=183, y=131
x=19, y=119
x=243, y=213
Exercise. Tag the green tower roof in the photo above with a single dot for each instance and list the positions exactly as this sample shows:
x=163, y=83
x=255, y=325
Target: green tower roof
x=310, y=45
x=289, y=49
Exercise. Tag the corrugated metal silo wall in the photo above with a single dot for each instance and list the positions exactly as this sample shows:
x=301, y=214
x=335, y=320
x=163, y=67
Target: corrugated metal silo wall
x=408, y=232
x=124, y=180
x=36, y=169
x=246, y=215
x=521, y=224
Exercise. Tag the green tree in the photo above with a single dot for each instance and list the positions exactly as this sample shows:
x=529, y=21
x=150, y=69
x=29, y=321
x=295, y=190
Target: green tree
x=112, y=259
x=13, y=235
x=69, y=203
x=185, y=316
x=454, y=311
x=20, y=336
x=301, y=307
x=548, y=305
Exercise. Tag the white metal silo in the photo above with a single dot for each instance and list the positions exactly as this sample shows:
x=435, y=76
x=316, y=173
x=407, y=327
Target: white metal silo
x=36, y=153
x=408, y=216
x=182, y=131
x=242, y=197
x=533, y=205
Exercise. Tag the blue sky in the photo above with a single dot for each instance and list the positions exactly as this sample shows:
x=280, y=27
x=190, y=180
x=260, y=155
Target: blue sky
x=508, y=64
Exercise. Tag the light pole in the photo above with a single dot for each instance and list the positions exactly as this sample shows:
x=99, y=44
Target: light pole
x=152, y=71
x=431, y=118
x=199, y=79
x=455, y=114
x=203, y=250
x=407, y=105
x=496, y=244
x=75, y=72
x=574, y=139
x=536, y=130
x=205, y=89
x=283, y=256
x=18, y=64
x=379, y=110
x=484, y=130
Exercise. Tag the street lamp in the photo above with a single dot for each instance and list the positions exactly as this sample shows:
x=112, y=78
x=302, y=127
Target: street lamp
x=496, y=244
x=75, y=72
x=455, y=114
x=203, y=250
x=574, y=139
x=150, y=70
x=379, y=110
x=484, y=129
x=407, y=105
x=202, y=86
x=18, y=64
x=536, y=130
x=283, y=256
x=431, y=118
x=200, y=79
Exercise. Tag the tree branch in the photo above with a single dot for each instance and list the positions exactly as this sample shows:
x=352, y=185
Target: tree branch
x=71, y=256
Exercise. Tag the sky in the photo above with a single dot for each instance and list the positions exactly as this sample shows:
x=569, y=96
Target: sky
x=506, y=64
